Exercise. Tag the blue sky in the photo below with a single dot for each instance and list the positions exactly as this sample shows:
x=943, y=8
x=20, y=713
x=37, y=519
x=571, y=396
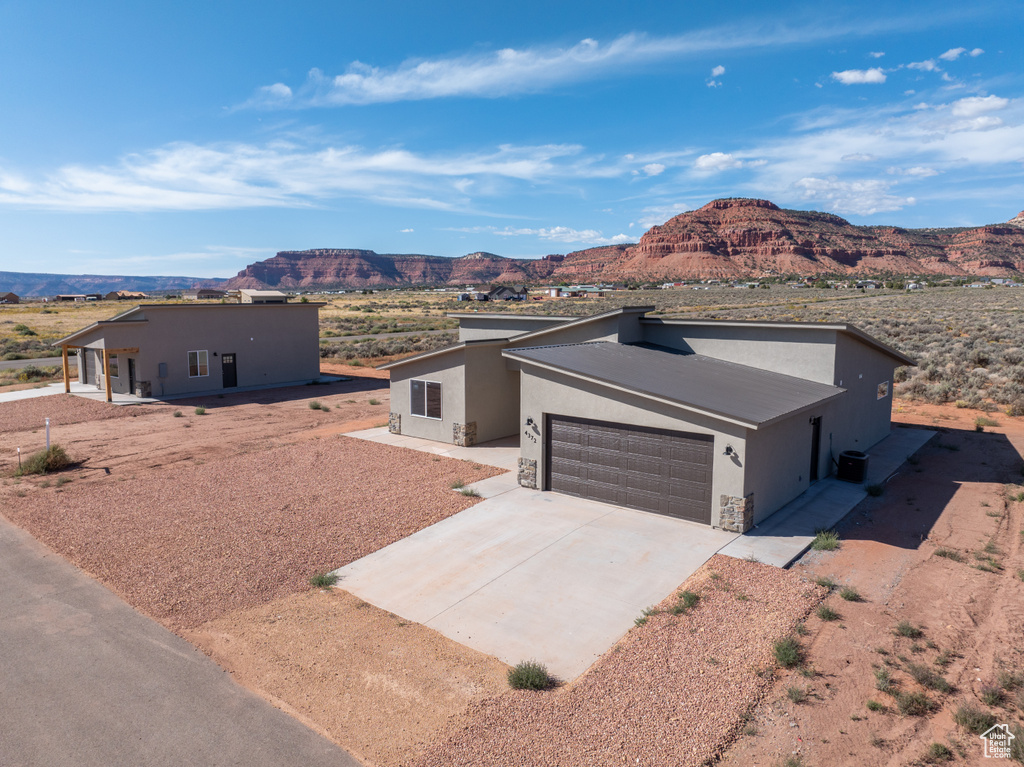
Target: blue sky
x=192, y=138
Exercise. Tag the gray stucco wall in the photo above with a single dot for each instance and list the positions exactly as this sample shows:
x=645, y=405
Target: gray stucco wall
x=273, y=344
x=488, y=327
x=622, y=328
x=778, y=463
x=802, y=352
x=860, y=418
x=448, y=370
x=548, y=393
x=492, y=393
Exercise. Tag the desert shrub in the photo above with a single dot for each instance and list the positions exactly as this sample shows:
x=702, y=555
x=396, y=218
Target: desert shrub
x=314, y=405
x=200, y=410
x=323, y=580
x=973, y=719
x=787, y=652
x=991, y=694
x=796, y=694
x=826, y=583
x=826, y=613
x=874, y=705
x=913, y=703
x=850, y=594
x=825, y=540
x=936, y=753
x=942, y=551
x=44, y=461
x=529, y=675
x=908, y=629
x=884, y=681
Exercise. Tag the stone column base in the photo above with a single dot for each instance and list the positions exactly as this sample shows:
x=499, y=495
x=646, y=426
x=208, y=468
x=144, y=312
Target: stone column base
x=736, y=514
x=528, y=473
x=464, y=434
x=395, y=423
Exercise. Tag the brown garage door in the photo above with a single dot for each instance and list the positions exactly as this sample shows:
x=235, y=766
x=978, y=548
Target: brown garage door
x=668, y=472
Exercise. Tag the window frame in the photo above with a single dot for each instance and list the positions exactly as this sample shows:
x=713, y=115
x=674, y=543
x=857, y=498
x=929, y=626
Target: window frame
x=115, y=366
x=883, y=390
x=202, y=357
x=425, y=401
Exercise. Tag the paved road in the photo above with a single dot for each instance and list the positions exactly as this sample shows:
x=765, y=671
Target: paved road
x=86, y=681
x=41, y=362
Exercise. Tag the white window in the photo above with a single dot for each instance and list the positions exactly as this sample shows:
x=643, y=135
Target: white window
x=425, y=398
x=883, y=390
x=198, y=365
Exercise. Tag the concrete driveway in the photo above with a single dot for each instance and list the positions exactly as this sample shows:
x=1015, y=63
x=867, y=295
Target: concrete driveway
x=86, y=681
x=531, y=575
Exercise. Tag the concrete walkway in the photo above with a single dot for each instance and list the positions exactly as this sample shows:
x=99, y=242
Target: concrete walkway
x=501, y=453
x=788, y=533
x=527, y=574
x=86, y=681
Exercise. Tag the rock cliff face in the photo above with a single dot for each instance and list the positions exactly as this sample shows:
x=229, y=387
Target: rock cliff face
x=725, y=238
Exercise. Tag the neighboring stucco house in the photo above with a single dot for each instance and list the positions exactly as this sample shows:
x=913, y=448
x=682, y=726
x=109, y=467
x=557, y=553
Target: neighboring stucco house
x=203, y=294
x=718, y=422
x=171, y=349
x=262, y=297
x=124, y=295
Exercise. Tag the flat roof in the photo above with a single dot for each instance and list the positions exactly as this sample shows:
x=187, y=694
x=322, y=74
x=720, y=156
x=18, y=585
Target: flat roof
x=728, y=391
x=127, y=316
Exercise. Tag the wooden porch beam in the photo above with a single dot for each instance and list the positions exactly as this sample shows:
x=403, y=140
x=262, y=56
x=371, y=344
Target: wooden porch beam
x=106, y=374
x=67, y=372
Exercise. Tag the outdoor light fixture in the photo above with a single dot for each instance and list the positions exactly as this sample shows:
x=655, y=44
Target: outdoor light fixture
x=529, y=421
x=729, y=450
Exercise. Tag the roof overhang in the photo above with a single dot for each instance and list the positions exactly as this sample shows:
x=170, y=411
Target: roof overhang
x=462, y=345
x=581, y=321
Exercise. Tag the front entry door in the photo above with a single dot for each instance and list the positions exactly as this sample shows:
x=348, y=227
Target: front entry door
x=227, y=364
x=815, y=447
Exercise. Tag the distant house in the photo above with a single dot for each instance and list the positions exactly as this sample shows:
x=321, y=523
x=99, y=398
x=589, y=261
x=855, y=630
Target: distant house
x=508, y=293
x=69, y=297
x=124, y=295
x=9, y=298
x=717, y=422
x=555, y=292
x=203, y=294
x=172, y=349
x=262, y=297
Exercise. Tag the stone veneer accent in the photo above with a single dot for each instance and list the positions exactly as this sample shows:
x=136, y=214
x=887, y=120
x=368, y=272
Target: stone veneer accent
x=464, y=434
x=528, y=473
x=395, y=423
x=737, y=514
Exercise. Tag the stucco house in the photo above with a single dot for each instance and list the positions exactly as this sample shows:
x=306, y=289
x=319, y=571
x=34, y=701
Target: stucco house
x=717, y=422
x=172, y=349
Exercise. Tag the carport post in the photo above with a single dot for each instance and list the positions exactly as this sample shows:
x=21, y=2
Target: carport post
x=67, y=376
x=106, y=374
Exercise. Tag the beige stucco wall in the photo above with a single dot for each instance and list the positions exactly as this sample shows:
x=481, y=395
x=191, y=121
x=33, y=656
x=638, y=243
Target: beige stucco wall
x=621, y=328
x=778, y=462
x=492, y=393
x=548, y=393
x=861, y=419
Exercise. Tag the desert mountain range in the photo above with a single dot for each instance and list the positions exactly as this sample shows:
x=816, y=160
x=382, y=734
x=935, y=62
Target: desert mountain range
x=725, y=238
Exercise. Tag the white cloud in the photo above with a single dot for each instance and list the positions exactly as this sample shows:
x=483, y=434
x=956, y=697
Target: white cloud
x=495, y=74
x=918, y=171
x=280, y=174
x=858, y=157
x=718, y=71
x=860, y=197
x=979, y=105
x=658, y=214
x=876, y=54
x=654, y=169
x=953, y=54
x=406, y=231
x=928, y=65
x=716, y=161
x=562, y=234
x=977, y=52
x=860, y=76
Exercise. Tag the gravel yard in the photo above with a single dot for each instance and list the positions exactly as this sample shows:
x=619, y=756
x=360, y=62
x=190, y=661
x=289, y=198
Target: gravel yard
x=674, y=691
x=61, y=409
x=189, y=543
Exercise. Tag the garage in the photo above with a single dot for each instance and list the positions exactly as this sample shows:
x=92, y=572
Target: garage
x=658, y=470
